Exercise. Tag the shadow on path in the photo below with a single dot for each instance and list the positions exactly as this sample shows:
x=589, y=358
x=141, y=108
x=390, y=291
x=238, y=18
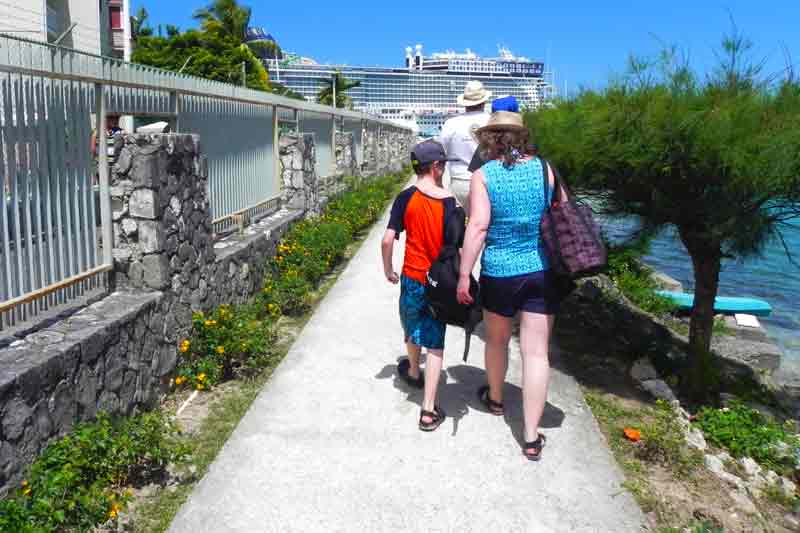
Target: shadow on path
x=457, y=395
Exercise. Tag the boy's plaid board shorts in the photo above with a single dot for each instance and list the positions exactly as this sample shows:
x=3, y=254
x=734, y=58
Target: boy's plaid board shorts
x=418, y=324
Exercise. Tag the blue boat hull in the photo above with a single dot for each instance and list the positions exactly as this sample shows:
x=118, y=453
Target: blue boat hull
x=722, y=304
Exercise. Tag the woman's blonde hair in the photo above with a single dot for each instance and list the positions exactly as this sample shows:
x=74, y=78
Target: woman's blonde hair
x=508, y=145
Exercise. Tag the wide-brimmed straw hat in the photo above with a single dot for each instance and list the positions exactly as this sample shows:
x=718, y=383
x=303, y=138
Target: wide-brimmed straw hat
x=474, y=94
x=503, y=121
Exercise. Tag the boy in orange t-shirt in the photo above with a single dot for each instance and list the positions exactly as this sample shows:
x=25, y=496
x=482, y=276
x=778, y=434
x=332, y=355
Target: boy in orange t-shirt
x=420, y=211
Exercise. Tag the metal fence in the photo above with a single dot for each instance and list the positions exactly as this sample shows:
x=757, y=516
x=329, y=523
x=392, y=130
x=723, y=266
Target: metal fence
x=56, y=235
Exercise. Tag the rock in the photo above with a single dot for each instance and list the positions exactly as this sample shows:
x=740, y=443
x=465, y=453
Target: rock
x=156, y=271
x=743, y=501
x=771, y=477
x=792, y=521
x=129, y=226
x=151, y=236
x=643, y=370
x=143, y=204
x=696, y=440
x=750, y=467
x=659, y=389
x=16, y=418
x=788, y=487
x=717, y=467
x=666, y=283
x=746, y=358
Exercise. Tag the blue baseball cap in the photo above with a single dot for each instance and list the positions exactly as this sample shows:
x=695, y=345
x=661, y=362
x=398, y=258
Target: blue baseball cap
x=505, y=103
x=428, y=152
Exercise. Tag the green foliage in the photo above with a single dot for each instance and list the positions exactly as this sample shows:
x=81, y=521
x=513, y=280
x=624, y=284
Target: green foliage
x=342, y=84
x=211, y=55
x=746, y=432
x=716, y=158
x=313, y=247
x=635, y=280
x=225, y=17
x=231, y=339
x=77, y=481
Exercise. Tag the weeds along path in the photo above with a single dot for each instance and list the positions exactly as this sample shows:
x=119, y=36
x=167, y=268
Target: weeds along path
x=331, y=443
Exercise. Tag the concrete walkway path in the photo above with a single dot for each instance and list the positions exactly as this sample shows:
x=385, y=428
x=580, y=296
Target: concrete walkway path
x=331, y=443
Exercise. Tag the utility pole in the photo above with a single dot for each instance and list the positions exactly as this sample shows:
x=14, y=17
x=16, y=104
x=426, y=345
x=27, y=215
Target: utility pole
x=333, y=85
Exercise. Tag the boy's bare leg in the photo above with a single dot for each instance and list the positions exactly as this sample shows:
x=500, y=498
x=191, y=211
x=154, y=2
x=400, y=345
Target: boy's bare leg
x=433, y=368
x=413, y=359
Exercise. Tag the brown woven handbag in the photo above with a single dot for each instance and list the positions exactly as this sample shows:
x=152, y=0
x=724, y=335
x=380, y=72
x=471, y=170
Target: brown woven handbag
x=571, y=236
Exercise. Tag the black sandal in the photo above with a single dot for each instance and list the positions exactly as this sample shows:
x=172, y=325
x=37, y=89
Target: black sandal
x=536, y=447
x=402, y=370
x=493, y=407
x=437, y=416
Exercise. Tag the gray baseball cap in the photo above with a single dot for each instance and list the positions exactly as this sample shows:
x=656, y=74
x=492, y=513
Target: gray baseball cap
x=428, y=152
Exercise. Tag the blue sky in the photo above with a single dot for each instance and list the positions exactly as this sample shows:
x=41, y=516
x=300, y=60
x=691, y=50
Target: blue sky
x=586, y=41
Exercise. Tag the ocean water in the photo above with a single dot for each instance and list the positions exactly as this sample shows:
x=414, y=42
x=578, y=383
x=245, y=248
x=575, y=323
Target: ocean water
x=772, y=277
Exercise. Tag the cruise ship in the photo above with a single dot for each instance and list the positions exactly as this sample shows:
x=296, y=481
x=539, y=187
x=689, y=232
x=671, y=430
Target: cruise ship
x=425, y=88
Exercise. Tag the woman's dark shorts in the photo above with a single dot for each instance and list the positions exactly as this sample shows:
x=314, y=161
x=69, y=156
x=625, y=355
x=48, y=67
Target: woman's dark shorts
x=536, y=293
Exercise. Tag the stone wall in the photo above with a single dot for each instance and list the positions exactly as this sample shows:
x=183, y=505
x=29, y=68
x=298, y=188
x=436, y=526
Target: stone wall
x=118, y=354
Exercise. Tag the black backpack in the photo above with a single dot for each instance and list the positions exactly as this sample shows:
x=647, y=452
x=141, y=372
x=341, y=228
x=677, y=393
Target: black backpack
x=440, y=289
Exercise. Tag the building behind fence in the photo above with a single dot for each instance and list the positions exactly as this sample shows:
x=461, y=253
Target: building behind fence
x=102, y=265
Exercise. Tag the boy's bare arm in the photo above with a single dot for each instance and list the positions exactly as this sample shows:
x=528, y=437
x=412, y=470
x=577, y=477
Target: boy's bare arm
x=387, y=250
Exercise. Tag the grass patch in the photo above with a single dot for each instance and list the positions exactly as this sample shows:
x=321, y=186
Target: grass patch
x=661, y=445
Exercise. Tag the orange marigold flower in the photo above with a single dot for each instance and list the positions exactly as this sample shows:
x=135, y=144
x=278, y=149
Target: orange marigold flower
x=633, y=435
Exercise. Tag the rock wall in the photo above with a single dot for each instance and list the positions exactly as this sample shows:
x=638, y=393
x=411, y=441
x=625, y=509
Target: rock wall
x=117, y=354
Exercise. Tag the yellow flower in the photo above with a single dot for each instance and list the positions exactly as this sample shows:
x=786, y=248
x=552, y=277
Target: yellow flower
x=185, y=346
x=114, y=511
x=207, y=323
x=200, y=386
x=26, y=492
x=201, y=376
x=220, y=350
x=179, y=380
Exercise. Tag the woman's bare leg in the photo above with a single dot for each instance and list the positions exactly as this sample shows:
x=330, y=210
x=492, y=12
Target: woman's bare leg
x=498, y=333
x=413, y=359
x=534, y=342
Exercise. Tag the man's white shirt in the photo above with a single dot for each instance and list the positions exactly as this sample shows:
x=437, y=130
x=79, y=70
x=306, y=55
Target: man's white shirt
x=458, y=139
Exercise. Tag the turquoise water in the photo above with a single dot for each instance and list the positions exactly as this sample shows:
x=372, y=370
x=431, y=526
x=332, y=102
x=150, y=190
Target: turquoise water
x=772, y=278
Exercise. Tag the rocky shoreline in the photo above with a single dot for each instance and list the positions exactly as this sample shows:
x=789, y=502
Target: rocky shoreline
x=748, y=361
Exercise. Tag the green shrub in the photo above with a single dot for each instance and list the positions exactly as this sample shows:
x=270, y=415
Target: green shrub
x=76, y=483
x=635, y=280
x=313, y=247
x=746, y=432
x=231, y=339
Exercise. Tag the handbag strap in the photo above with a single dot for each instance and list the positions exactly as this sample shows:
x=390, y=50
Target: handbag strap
x=558, y=182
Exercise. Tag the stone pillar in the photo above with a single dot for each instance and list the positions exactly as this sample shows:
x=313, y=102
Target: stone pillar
x=298, y=171
x=162, y=219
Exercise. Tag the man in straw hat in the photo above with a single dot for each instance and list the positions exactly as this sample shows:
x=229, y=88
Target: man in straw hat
x=458, y=138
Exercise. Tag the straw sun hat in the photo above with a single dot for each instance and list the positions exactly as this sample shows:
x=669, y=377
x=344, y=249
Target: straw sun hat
x=474, y=94
x=503, y=121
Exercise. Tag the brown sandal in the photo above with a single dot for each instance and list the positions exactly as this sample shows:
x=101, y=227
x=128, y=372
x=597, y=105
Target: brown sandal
x=493, y=407
x=437, y=416
x=533, y=450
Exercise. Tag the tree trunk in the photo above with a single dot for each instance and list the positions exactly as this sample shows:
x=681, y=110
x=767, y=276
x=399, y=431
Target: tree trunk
x=706, y=261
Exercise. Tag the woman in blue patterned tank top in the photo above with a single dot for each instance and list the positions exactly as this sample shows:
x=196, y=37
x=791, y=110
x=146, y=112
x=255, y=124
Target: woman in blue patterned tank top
x=507, y=200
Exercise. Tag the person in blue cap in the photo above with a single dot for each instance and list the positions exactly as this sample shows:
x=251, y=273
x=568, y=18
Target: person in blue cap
x=504, y=103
